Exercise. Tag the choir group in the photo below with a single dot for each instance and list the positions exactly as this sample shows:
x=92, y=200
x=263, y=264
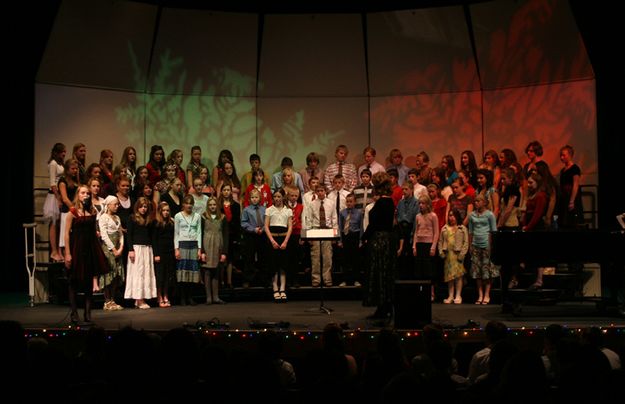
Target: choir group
x=162, y=227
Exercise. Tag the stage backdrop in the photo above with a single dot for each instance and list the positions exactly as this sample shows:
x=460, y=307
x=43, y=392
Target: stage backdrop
x=121, y=73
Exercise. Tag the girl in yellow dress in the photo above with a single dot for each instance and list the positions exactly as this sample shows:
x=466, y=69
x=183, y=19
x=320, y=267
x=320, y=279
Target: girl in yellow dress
x=452, y=247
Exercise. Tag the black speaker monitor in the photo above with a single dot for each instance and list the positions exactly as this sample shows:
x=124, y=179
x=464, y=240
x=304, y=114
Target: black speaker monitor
x=413, y=306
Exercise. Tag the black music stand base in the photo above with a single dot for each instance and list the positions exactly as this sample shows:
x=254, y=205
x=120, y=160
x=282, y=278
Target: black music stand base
x=321, y=308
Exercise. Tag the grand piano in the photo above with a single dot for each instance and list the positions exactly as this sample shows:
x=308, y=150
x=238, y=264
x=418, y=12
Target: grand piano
x=549, y=248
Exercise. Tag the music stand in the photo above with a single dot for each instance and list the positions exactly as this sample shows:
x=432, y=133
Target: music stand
x=320, y=235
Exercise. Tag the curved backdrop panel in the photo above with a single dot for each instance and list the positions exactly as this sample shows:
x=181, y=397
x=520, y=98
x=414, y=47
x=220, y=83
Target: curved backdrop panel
x=441, y=80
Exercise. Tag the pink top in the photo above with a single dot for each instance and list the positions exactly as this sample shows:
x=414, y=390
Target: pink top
x=427, y=229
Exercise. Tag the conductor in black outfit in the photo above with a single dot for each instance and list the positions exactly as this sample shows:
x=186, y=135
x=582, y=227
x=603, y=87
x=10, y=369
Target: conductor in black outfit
x=381, y=246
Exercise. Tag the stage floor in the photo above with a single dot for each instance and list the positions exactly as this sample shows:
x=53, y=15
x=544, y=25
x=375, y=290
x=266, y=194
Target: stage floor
x=300, y=316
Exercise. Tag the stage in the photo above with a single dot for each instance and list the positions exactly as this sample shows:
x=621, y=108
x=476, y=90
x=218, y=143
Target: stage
x=300, y=316
x=238, y=325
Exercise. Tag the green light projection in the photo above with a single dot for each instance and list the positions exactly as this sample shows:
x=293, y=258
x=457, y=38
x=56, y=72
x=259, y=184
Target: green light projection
x=216, y=117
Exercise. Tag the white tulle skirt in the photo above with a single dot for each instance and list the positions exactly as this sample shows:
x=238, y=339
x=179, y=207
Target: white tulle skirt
x=51, y=212
x=140, y=279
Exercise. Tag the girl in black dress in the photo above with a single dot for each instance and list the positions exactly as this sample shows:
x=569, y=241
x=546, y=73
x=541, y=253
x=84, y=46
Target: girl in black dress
x=84, y=258
x=164, y=254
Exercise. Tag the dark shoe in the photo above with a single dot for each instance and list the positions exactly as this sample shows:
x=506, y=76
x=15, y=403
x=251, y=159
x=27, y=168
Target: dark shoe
x=73, y=317
x=535, y=287
x=191, y=302
x=87, y=316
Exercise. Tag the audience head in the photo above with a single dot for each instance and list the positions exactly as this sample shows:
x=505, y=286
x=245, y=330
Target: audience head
x=593, y=337
x=332, y=338
x=495, y=331
x=270, y=344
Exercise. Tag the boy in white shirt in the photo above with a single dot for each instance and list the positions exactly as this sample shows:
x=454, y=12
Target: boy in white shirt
x=315, y=218
x=418, y=189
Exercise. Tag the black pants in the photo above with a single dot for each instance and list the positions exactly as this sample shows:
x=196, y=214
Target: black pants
x=350, y=258
x=254, y=246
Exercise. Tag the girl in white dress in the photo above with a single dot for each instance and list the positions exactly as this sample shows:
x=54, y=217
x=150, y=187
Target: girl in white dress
x=51, y=211
x=141, y=281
